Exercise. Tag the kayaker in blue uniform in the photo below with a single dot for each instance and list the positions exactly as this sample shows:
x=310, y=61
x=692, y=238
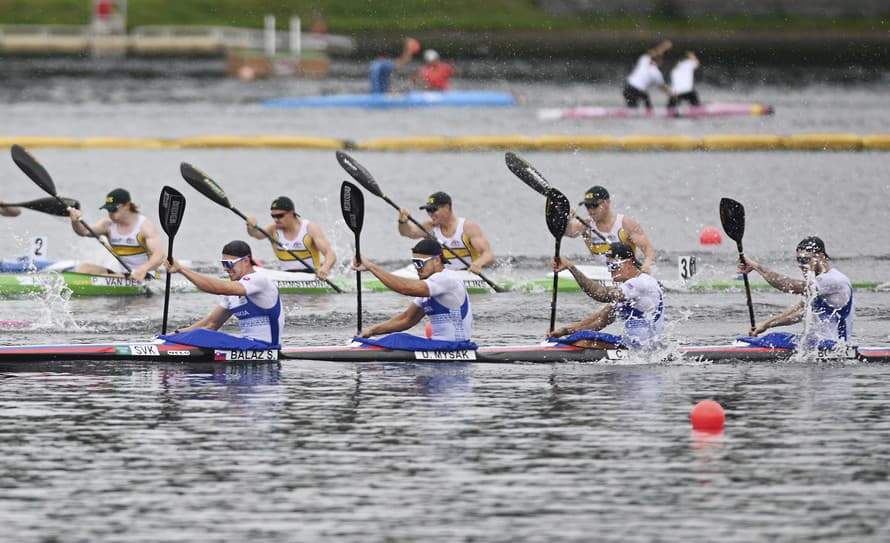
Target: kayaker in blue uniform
x=9, y=211
x=133, y=237
x=637, y=301
x=381, y=69
x=439, y=293
x=298, y=235
x=828, y=295
x=458, y=236
x=250, y=295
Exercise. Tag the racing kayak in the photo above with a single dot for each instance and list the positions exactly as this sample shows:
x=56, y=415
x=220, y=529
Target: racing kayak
x=399, y=100
x=161, y=351
x=25, y=264
x=715, y=109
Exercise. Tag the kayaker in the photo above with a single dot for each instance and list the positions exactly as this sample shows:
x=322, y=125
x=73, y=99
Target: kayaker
x=828, y=294
x=683, y=81
x=458, y=235
x=646, y=74
x=297, y=234
x=435, y=74
x=439, y=293
x=133, y=237
x=605, y=226
x=9, y=211
x=251, y=296
x=637, y=301
x=381, y=69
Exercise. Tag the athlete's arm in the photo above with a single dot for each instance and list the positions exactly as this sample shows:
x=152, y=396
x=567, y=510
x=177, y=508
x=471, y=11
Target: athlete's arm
x=409, y=229
x=206, y=283
x=100, y=227
x=791, y=316
x=639, y=238
x=213, y=321
x=155, y=248
x=478, y=241
x=775, y=279
x=253, y=232
x=321, y=242
x=597, y=321
x=402, y=285
x=404, y=320
x=575, y=227
x=594, y=289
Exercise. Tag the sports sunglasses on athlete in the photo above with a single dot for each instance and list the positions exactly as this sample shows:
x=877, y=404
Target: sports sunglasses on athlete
x=419, y=263
x=229, y=264
x=615, y=265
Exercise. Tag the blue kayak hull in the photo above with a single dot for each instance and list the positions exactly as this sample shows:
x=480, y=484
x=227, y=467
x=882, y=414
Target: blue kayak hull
x=401, y=100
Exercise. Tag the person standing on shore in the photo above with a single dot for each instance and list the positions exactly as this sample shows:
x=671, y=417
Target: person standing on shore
x=381, y=69
x=646, y=74
x=683, y=81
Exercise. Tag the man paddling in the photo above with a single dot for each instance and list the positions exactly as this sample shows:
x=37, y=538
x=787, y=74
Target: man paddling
x=606, y=227
x=459, y=236
x=439, y=293
x=828, y=294
x=9, y=211
x=646, y=74
x=381, y=69
x=296, y=235
x=132, y=236
x=248, y=295
x=637, y=300
x=683, y=82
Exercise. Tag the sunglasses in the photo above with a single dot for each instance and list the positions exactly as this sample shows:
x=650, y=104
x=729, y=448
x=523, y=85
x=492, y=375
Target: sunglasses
x=277, y=216
x=229, y=264
x=112, y=209
x=804, y=260
x=615, y=265
x=419, y=263
x=592, y=206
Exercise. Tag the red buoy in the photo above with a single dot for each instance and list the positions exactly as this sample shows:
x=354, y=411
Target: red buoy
x=710, y=236
x=707, y=415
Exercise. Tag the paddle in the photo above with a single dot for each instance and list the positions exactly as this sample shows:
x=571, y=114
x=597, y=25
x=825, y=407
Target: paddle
x=208, y=187
x=732, y=216
x=40, y=176
x=50, y=205
x=171, y=207
x=352, y=204
x=365, y=179
x=557, y=214
x=533, y=178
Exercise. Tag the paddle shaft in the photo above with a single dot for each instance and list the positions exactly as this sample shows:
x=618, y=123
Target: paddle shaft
x=747, y=285
x=167, y=286
x=283, y=248
x=555, y=286
x=430, y=235
x=358, y=284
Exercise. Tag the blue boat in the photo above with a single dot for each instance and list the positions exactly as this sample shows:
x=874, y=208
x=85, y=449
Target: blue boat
x=401, y=100
x=26, y=264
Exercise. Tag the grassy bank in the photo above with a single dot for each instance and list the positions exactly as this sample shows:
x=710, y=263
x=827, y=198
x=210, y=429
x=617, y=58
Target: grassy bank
x=411, y=16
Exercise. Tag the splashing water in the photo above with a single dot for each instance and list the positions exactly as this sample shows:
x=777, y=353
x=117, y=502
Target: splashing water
x=55, y=311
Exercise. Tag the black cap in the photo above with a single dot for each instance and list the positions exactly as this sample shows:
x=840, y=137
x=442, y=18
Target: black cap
x=619, y=250
x=436, y=200
x=283, y=203
x=812, y=244
x=428, y=247
x=115, y=198
x=594, y=195
x=237, y=248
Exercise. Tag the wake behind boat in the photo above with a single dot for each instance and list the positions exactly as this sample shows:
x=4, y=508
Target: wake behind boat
x=411, y=99
x=715, y=109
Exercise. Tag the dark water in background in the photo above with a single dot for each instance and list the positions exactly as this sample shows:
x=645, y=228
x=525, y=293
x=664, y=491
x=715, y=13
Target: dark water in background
x=572, y=452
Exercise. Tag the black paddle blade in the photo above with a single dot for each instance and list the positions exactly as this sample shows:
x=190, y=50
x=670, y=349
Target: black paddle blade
x=557, y=213
x=359, y=173
x=33, y=169
x=203, y=184
x=50, y=205
x=527, y=173
x=171, y=207
x=352, y=204
x=732, y=216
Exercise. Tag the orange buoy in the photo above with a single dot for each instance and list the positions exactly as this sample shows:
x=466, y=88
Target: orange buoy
x=707, y=415
x=710, y=236
x=429, y=330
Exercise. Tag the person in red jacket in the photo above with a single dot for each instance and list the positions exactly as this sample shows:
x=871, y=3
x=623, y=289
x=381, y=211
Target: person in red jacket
x=435, y=74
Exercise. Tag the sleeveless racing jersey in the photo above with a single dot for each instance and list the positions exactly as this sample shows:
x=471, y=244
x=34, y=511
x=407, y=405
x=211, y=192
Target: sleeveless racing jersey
x=597, y=246
x=642, y=309
x=458, y=244
x=448, y=307
x=259, y=313
x=302, y=245
x=832, y=306
x=131, y=248
x=645, y=74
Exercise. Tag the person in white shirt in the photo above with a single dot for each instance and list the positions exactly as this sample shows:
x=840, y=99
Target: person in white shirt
x=683, y=81
x=646, y=74
x=439, y=294
x=251, y=296
x=637, y=300
x=828, y=294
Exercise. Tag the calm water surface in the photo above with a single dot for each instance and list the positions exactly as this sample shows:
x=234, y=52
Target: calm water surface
x=373, y=452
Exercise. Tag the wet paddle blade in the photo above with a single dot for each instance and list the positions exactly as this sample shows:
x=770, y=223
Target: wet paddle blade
x=50, y=205
x=557, y=213
x=359, y=173
x=527, y=173
x=732, y=216
x=204, y=184
x=352, y=204
x=33, y=169
x=171, y=207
